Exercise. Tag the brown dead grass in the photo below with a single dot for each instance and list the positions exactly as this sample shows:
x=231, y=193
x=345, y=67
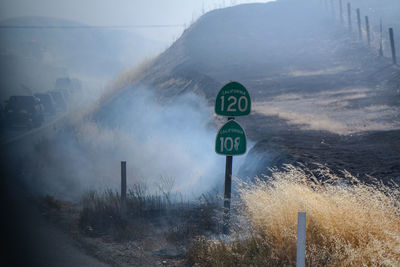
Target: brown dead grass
x=349, y=223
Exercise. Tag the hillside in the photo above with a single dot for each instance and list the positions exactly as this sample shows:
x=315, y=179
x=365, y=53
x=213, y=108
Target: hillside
x=307, y=75
x=255, y=42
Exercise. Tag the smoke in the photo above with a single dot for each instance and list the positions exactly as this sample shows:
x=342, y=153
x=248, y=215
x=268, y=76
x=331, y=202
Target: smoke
x=167, y=146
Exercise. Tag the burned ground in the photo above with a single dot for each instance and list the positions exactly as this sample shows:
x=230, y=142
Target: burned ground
x=320, y=97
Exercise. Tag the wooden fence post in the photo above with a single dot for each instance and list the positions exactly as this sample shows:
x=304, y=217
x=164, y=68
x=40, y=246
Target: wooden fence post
x=380, y=39
x=359, y=24
x=392, y=45
x=341, y=11
x=123, y=189
x=349, y=16
x=368, y=32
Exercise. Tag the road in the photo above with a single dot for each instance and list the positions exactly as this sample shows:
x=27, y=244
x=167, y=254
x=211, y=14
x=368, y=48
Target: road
x=28, y=239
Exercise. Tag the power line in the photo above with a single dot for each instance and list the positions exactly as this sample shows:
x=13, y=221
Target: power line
x=92, y=27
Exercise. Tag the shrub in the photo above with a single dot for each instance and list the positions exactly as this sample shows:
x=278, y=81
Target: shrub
x=101, y=213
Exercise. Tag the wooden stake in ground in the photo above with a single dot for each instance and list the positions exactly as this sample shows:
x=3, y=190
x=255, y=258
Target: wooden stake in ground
x=359, y=24
x=392, y=45
x=123, y=189
x=368, y=32
x=341, y=11
x=349, y=16
x=380, y=38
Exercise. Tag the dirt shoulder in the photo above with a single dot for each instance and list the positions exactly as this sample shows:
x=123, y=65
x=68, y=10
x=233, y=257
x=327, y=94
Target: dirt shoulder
x=154, y=238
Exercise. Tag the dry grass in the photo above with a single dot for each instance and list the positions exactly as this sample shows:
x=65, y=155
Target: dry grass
x=101, y=213
x=349, y=223
x=180, y=220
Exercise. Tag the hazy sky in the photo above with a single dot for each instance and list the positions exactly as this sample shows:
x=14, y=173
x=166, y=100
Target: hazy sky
x=118, y=12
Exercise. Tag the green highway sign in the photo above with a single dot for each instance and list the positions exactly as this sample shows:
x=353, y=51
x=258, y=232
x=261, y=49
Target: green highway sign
x=233, y=100
x=231, y=139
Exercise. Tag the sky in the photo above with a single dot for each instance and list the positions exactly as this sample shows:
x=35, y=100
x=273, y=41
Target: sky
x=119, y=12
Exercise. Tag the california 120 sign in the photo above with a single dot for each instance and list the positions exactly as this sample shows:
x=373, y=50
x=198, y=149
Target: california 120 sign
x=233, y=100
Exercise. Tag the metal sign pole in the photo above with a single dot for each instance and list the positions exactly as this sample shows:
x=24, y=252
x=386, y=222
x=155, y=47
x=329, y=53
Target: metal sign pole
x=228, y=190
x=227, y=193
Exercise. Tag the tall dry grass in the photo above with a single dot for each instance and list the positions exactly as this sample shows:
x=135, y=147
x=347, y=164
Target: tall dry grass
x=349, y=223
x=178, y=218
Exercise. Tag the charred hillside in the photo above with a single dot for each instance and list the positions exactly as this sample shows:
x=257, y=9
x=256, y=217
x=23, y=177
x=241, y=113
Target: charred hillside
x=309, y=78
x=248, y=42
x=269, y=47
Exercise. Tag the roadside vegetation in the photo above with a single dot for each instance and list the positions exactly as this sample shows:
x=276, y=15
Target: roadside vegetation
x=349, y=223
x=179, y=220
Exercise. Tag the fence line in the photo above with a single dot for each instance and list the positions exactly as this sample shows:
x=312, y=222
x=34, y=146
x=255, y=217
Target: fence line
x=378, y=40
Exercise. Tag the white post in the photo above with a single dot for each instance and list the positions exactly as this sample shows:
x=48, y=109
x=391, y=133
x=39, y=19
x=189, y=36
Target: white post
x=301, y=240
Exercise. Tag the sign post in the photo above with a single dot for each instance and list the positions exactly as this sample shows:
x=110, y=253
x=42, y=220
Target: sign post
x=232, y=100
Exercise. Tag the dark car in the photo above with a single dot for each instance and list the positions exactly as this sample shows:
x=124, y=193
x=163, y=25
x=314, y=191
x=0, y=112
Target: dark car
x=59, y=99
x=76, y=86
x=48, y=103
x=65, y=93
x=25, y=111
x=64, y=85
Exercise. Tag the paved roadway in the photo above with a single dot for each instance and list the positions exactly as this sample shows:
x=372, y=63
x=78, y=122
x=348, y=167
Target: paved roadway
x=27, y=238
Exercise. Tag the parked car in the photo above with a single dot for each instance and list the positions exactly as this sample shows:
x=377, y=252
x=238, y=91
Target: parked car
x=76, y=86
x=64, y=85
x=25, y=111
x=65, y=93
x=48, y=103
x=61, y=104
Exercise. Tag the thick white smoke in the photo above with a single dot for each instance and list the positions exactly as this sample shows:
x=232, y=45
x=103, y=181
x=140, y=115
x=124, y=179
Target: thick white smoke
x=166, y=146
